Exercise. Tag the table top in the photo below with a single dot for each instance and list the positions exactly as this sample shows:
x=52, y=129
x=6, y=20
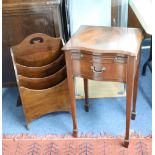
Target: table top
x=100, y=39
x=143, y=11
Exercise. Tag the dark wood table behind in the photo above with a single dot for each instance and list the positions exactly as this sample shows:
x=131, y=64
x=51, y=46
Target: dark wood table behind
x=21, y=19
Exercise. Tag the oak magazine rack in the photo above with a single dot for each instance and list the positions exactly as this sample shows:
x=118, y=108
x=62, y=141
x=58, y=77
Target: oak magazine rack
x=40, y=70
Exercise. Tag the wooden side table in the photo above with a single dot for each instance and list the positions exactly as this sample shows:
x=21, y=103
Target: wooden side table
x=104, y=53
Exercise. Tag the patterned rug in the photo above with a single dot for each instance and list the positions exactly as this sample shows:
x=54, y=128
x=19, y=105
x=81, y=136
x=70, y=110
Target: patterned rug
x=85, y=145
x=99, y=89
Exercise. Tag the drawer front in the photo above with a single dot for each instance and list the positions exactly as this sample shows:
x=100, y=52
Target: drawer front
x=111, y=68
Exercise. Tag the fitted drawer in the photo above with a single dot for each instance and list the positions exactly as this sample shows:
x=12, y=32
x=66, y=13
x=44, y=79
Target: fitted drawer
x=97, y=67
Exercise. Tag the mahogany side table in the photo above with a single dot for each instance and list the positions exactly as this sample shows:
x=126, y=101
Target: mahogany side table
x=104, y=53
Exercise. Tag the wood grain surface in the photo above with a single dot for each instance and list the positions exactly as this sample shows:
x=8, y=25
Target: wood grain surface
x=37, y=50
x=39, y=72
x=100, y=39
x=40, y=102
x=44, y=82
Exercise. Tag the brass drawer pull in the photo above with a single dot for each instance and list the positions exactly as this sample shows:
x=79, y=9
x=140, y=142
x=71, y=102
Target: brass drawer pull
x=98, y=70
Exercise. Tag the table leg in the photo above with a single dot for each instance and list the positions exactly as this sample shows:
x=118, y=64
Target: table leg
x=147, y=63
x=86, y=106
x=129, y=97
x=27, y=126
x=71, y=92
x=133, y=113
x=19, y=102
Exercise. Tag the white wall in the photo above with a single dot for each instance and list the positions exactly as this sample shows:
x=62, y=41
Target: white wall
x=89, y=12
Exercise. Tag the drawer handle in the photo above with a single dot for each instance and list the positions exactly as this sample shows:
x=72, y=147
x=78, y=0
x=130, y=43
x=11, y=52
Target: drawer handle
x=98, y=70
